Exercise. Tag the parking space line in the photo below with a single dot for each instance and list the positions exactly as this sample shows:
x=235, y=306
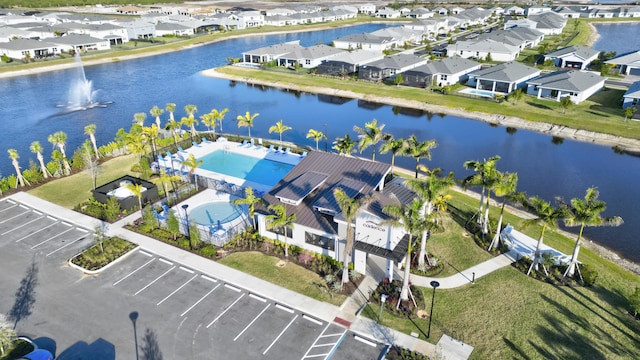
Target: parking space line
x=280, y=335
x=208, y=278
x=52, y=218
x=187, y=270
x=166, y=261
x=133, y=272
x=307, y=317
x=254, y=296
x=365, y=341
x=51, y=238
x=176, y=290
x=251, y=323
x=317, y=355
x=13, y=217
x=337, y=344
x=198, y=302
x=231, y=287
x=20, y=226
x=64, y=246
x=225, y=310
x=330, y=335
x=37, y=212
x=306, y=355
x=37, y=231
x=10, y=207
x=145, y=253
x=154, y=281
x=284, y=308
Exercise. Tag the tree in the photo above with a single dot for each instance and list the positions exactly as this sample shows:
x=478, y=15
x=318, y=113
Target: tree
x=100, y=235
x=429, y=190
x=628, y=112
x=345, y=145
x=191, y=123
x=418, y=150
x=91, y=131
x=485, y=176
x=565, y=103
x=36, y=148
x=634, y=302
x=209, y=121
x=192, y=163
x=170, y=107
x=173, y=224
x=251, y=200
x=398, y=80
x=409, y=217
x=316, y=135
x=281, y=221
x=219, y=116
x=489, y=58
x=246, y=120
x=370, y=135
x=174, y=127
x=349, y=207
x=156, y=112
x=13, y=155
x=151, y=133
x=547, y=216
x=136, y=190
x=59, y=140
x=394, y=146
x=516, y=96
x=139, y=118
x=168, y=179
x=505, y=188
x=90, y=164
x=279, y=127
x=7, y=335
x=585, y=212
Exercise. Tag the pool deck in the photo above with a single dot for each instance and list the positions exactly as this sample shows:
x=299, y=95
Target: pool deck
x=257, y=151
x=205, y=197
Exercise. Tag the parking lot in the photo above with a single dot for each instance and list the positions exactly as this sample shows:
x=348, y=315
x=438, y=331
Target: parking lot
x=192, y=315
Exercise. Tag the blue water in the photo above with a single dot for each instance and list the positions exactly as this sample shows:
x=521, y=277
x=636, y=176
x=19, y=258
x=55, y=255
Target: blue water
x=621, y=38
x=212, y=212
x=261, y=171
x=545, y=168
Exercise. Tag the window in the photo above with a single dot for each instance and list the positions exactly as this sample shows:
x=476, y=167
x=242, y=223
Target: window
x=318, y=240
x=461, y=52
x=307, y=61
x=443, y=77
x=280, y=231
x=477, y=53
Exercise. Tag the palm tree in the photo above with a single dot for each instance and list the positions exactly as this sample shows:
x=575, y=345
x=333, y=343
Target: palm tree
x=191, y=110
x=246, y=120
x=586, y=213
x=430, y=190
x=251, y=200
x=91, y=131
x=628, y=112
x=547, y=216
x=13, y=155
x=136, y=190
x=279, y=127
x=410, y=218
x=139, y=118
x=506, y=189
x=167, y=178
x=418, y=150
x=151, y=133
x=191, y=123
x=173, y=126
x=170, y=107
x=192, y=163
x=36, y=148
x=394, y=146
x=59, y=140
x=565, y=102
x=316, y=135
x=156, y=112
x=516, y=96
x=345, y=145
x=280, y=220
x=219, y=116
x=370, y=135
x=350, y=207
x=485, y=174
x=209, y=121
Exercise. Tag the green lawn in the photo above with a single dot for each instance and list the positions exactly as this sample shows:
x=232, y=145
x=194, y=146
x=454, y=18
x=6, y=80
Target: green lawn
x=291, y=276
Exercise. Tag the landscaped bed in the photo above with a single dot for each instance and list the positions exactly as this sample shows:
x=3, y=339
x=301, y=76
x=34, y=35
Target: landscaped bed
x=100, y=255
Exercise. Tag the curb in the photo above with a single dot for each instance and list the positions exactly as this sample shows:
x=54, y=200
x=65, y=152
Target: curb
x=95, y=272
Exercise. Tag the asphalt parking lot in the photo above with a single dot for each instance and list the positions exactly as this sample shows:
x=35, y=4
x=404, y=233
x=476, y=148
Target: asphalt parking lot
x=146, y=303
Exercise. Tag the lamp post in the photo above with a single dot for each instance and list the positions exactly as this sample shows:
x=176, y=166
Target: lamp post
x=383, y=298
x=186, y=219
x=435, y=285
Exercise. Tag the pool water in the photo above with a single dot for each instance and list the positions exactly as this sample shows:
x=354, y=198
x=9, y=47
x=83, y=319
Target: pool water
x=478, y=92
x=261, y=171
x=212, y=212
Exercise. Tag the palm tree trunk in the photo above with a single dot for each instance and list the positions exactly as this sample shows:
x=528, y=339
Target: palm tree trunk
x=346, y=254
x=16, y=166
x=43, y=167
x=95, y=146
x=537, y=256
x=404, y=293
x=286, y=244
x=485, y=219
x=423, y=242
x=574, y=257
x=496, y=238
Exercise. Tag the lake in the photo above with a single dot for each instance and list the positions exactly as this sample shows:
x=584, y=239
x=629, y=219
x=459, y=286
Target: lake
x=616, y=37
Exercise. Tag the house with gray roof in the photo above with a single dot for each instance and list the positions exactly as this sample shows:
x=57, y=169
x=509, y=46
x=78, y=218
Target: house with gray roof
x=388, y=13
x=279, y=20
x=420, y=13
x=567, y=12
x=348, y=62
x=270, y=53
x=400, y=35
x=389, y=66
x=172, y=29
x=365, y=41
x=79, y=43
x=480, y=48
x=576, y=57
x=577, y=85
x=447, y=71
x=514, y=10
x=503, y=78
x=632, y=96
x=8, y=33
x=549, y=23
x=309, y=57
x=21, y=48
x=629, y=12
x=627, y=64
x=537, y=10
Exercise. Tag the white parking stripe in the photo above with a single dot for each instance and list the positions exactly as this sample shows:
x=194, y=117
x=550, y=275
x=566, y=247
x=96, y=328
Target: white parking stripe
x=176, y=290
x=133, y=272
x=64, y=246
x=37, y=212
x=284, y=308
x=364, y=341
x=187, y=270
x=37, y=231
x=18, y=227
x=208, y=278
x=225, y=310
x=10, y=207
x=52, y=218
x=13, y=217
x=307, y=317
x=306, y=355
x=281, y=332
x=231, y=287
x=154, y=281
x=145, y=253
x=51, y=238
x=166, y=261
x=198, y=302
x=254, y=296
x=251, y=323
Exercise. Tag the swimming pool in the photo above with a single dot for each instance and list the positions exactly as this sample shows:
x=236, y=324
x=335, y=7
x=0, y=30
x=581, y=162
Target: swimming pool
x=483, y=93
x=261, y=171
x=210, y=213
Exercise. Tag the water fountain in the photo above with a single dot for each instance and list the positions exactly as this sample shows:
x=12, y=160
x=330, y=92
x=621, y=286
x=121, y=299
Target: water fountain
x=81, y=94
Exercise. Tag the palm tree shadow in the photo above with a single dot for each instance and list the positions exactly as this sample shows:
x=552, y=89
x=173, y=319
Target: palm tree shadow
x=150, y=348
x=516, y=349
x=25, y=296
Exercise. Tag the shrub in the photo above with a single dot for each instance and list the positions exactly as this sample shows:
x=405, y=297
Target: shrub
x=634, y=302
x=589, y=275
x=209, y=251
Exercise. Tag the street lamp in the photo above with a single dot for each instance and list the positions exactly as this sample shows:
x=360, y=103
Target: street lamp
x=186, y=218
x=435, y=285
x=383, y=298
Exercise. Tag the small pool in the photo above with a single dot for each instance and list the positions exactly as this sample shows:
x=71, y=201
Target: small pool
x=261, y=171
x=210, y=213
x=483, y=93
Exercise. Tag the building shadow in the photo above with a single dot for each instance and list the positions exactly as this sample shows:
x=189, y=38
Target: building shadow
x=25, y=296
x=97, y=350
x=150, y=348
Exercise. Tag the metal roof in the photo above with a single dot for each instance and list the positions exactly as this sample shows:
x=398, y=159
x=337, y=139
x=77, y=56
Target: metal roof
x=397, y=254
x=300, y=187
x=327, y=202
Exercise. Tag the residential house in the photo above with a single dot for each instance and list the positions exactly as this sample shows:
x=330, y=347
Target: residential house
x=455, y=10
x=567, y=12
x=420, y=13
x=388, y=13
x=279, y=20
x=271, y=52
x=8, y=33
x=132, y=10
x=514, y=10
x=248, y=19
x=389, y=66
x=576, y=56
x=21, y=48
x=171, y=29
x=577, y=85
x=447, y=71
x=598, y=13
x=549, y=23
x=115, y=34
x=347, y=63
x=519, y=37
x=428, y=26
x=309, y=57
x=496, y=10
x=349, y=8
x=627, y=64
x=479, y=49
x=400, y=35
x=79, y=43
x=537, y=10
x=521, y=22
x=627, y=12
x=279, y=11
x=367, y=9
x=632, y=96
x=365, y=41
x=503, y=78
x=442, y=11
x=138, y=28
